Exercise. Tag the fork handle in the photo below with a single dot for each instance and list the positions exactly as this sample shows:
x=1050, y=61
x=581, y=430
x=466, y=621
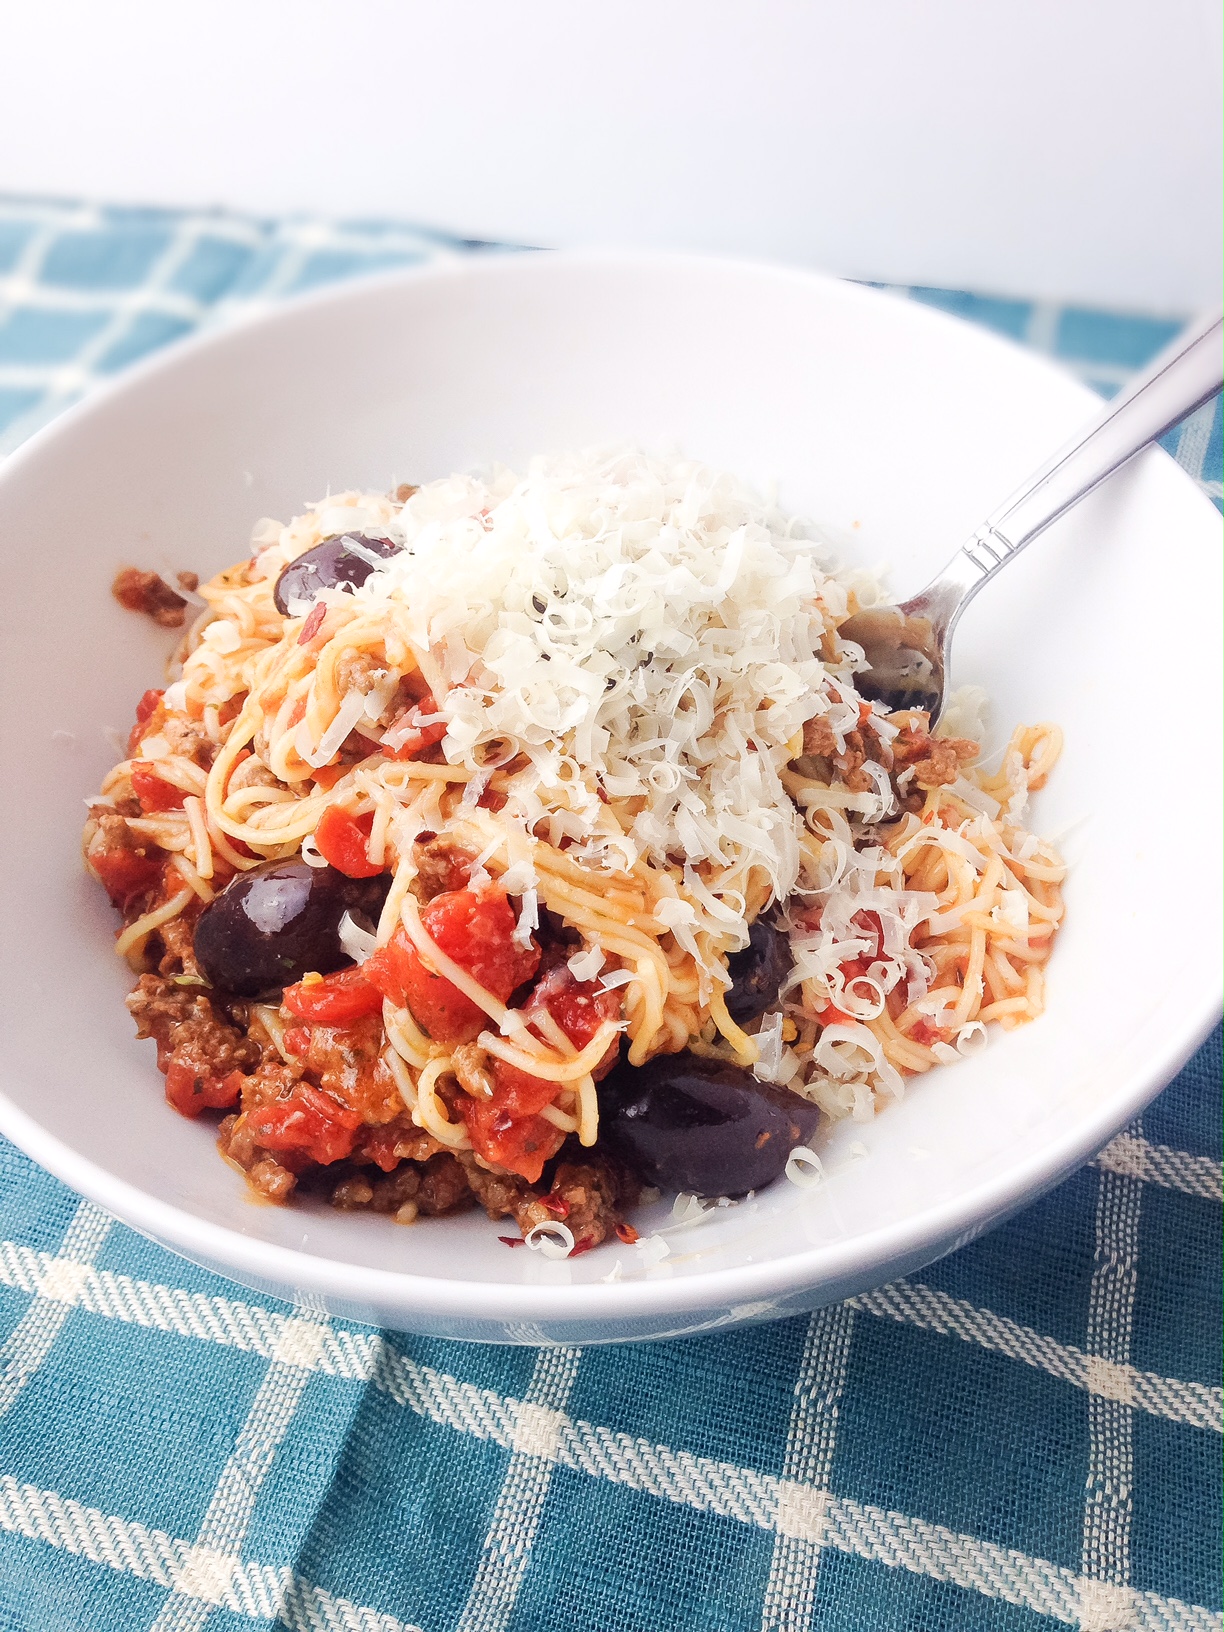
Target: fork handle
x=1186, y=374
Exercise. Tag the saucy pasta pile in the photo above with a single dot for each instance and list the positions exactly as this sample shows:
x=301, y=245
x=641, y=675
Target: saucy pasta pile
x=524, y=841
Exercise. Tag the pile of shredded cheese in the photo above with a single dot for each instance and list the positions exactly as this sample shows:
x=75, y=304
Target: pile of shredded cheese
x=642, y=630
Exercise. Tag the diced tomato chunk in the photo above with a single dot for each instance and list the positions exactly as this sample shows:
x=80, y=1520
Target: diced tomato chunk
x=446, y=1013
x=336, y=1000
x=851, y=970
x=191, y=1092
x=313, y=624
x=579, y=1007
x=476, y=929
x=343, y=841
x=147, y=704
x=506, y=1129
x=382, y=1145
x=145, y=709
x=518, y=1094
x=310, y=1122
x=153, y=792
x=126, y=874
x=417, y=737
x=520, y=1147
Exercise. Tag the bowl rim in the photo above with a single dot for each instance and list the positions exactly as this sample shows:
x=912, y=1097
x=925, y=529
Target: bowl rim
x=932, y=1230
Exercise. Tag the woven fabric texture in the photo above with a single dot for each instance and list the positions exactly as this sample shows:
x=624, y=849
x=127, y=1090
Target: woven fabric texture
x=1024, y=1435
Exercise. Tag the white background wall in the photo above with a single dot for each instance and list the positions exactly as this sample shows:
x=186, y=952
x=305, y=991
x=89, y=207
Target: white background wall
x=1067, y=148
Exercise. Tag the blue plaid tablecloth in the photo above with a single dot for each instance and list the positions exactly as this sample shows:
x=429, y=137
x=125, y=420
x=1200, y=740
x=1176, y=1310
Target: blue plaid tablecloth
x=1026, y=1434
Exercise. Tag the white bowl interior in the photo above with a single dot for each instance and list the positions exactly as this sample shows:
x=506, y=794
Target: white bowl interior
x=892, y=422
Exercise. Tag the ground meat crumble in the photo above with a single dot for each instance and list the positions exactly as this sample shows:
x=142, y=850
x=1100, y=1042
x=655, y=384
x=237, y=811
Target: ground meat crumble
x=915, y=761
x=148, y=593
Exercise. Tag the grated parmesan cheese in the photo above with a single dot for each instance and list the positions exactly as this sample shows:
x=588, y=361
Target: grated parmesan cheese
x=652, y=621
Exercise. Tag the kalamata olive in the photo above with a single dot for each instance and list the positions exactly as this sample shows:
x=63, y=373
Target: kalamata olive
x=333, y=564
x=269, y=927
x=757, y=972
x=685, y=1122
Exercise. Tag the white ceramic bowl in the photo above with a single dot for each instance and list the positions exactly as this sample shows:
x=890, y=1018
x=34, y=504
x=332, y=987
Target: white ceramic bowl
x=885, y=418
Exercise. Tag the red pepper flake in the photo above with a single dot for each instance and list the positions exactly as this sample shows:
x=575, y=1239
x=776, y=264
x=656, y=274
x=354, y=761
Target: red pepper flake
x=601, y=791
x=313, y=624
x=583, y=1244
x=557, y=1205
x=512, y=1240
x=627, y=1234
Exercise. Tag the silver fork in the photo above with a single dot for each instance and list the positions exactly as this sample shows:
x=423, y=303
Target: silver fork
x=907, y=645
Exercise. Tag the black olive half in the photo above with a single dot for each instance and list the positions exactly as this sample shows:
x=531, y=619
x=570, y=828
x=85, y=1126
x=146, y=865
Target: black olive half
x=271, y=926
x=333, y=564
x=757, y=972
x=684, y=1122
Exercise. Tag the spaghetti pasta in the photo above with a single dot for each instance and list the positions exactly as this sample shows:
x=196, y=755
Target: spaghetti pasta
x=580, y=732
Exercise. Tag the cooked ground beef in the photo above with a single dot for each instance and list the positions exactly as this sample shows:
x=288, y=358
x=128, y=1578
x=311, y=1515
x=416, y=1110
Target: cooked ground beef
x=470, y=1064
x=436, y=1188
x=596, y=1191
x=442, y=865
x=589, y=1195
x=189, y=1030
x=497, y=1192
x=253, y=773
x=358, y=670
x=389, y=1143
x=146, y=592
x=189, y=738
x=847, y=762
x=819, y=739
x=934, y=761
x=177, y=943
x=942, y=765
